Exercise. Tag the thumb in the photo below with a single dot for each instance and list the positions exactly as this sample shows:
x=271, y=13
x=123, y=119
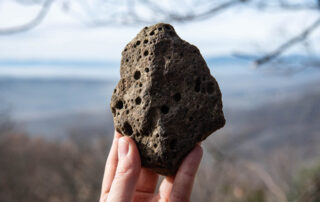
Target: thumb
x=128, y=169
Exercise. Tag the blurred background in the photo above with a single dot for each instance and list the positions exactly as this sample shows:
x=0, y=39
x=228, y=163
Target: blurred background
x=60, y=60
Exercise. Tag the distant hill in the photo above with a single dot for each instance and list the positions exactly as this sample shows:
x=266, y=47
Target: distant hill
x=292, y=123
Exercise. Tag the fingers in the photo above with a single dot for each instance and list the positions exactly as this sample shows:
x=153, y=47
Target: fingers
x=166, y=187
x=147, y=181
x=111, y=165
x=183, y=182
x=127, y=173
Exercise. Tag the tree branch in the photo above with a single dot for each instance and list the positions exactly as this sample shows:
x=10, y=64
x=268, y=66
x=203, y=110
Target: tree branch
x=285, y=46
x=162, y=14
x=33, y=23
x=286, y=5
x=207, y=13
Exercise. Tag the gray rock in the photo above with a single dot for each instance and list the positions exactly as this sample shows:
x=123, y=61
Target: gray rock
x=166, y=99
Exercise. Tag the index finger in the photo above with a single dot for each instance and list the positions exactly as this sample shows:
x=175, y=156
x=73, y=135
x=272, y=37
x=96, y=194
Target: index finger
x=111, y=165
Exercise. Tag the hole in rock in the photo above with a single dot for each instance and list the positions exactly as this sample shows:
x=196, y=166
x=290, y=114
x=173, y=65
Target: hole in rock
x=165, y=109
x=177, y=97
x=146, y=53
x=119, y=104
x=145, y=41
x=210, y=87
x=127, y=60
x=173, y=144
x=167, y=27
x=138, y=100
x=146, y=69
x=138, y=134
x=197, y=86
x=155, y=145
x=137, y=75
x=140, y=84
x=127, y=129
x=151, y=33
x=138, y=43
x=160, y=28
x=125, y=50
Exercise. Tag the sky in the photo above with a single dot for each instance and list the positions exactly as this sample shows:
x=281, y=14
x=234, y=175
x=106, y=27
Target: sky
x=63, y=47
x=61, y=36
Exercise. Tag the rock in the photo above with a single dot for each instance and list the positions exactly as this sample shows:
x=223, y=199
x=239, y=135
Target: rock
x=166, y=99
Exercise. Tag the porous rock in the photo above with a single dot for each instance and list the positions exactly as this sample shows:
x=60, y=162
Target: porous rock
x=166, y=99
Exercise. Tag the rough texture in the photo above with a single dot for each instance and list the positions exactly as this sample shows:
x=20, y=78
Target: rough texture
x=166, y=99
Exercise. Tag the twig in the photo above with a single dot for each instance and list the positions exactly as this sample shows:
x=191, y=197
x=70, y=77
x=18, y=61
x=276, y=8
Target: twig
x=268, y=181
x=282, y=48
x=168, y=16
x=207, y=13
x=33, y=23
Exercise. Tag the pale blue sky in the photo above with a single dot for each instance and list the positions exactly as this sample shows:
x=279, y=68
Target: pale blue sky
x=61, y=36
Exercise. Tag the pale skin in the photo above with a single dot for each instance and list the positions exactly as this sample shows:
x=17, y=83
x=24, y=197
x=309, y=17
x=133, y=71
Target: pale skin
x=124, y=180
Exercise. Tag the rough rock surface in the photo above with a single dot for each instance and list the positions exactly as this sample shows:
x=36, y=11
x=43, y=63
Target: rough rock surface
x=166, y=99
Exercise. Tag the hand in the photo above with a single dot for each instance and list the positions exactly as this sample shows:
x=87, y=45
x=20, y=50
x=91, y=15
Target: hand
x=124, y=180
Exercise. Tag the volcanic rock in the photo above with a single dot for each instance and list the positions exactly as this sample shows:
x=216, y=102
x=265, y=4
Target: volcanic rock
x=166, y=99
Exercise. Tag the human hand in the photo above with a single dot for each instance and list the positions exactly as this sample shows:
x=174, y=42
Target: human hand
x=124, y=180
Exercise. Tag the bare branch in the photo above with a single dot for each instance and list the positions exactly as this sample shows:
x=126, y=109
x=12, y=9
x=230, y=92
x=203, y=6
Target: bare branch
x=207, y=13
x=162, y=14
x=33, y=23
x=268, y=181
x=286, y=6
x=282, y=48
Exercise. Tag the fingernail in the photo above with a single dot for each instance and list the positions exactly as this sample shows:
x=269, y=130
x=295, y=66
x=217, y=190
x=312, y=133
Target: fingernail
x=123, y=147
